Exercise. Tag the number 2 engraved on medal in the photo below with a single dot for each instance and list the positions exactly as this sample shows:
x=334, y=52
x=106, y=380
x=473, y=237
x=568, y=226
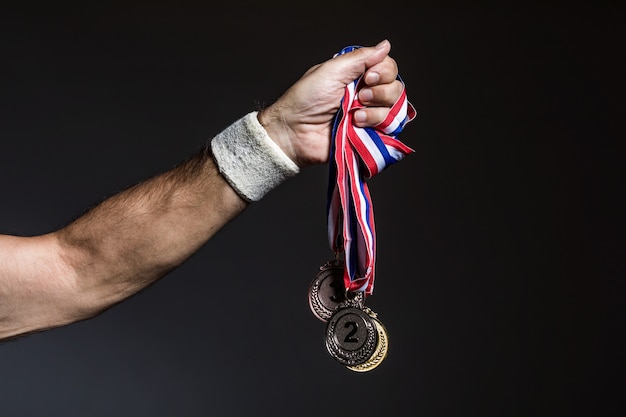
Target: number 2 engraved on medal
x=350, y=336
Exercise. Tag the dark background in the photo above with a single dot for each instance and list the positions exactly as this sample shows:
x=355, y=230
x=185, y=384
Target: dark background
x=500, y=270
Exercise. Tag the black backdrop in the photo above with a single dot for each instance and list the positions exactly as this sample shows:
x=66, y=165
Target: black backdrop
x=500, y=271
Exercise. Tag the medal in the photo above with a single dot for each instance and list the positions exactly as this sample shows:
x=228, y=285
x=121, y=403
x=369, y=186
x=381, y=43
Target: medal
x=354, y=335
x=351, y=336
x=327, y=290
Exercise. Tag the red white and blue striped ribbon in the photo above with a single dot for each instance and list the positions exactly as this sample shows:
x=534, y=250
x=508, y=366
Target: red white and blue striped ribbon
x=357, y=154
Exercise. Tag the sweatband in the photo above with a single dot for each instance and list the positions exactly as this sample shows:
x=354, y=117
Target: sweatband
x=252, y=163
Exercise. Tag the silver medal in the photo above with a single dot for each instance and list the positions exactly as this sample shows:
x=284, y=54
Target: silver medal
x=352, y=335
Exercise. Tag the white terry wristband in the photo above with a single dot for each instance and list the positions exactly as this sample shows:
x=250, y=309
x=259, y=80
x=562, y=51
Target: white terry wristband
x=252, y=163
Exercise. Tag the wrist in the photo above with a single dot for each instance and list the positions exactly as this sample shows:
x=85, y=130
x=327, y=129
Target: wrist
x=250, y=160
x=278, y=130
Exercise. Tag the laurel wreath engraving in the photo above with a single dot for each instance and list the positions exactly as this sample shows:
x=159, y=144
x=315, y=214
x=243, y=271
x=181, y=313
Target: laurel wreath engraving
x=318, y=308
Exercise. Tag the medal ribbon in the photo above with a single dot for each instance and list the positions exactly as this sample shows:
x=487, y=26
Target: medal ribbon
x=357, y=154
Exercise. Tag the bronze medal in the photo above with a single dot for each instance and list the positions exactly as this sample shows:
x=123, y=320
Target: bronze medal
x=327, y=290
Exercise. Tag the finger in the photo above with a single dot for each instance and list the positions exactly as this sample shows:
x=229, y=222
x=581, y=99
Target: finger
x=370, y=116
x=381, y=95
x=384, y=72
x=353, y=64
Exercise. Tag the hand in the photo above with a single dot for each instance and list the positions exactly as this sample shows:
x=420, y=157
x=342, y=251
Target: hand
x=300, y=121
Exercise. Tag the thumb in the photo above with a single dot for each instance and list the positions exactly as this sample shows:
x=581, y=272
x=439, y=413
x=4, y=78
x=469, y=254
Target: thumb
x=353, y=64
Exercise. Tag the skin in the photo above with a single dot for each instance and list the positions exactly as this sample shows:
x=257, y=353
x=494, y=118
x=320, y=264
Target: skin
x=137, y=236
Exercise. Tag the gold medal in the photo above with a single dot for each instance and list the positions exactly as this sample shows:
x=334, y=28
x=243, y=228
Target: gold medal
x=380, y=353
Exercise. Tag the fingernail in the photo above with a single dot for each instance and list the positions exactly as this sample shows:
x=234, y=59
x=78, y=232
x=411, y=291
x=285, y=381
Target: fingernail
x=360, y=116
x=381, y=44
x=366, y=95
x=372, y=78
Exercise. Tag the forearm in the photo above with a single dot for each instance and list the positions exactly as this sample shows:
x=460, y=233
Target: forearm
x=114, y=250
x=135, y=237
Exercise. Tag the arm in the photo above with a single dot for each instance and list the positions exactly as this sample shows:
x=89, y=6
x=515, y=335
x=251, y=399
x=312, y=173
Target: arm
x=137, y=236
x=114, y=250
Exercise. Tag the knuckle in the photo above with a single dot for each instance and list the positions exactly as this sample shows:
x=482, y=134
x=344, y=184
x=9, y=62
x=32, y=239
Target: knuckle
x=398, y=88
x=378, y=115
x=391, y=66
x=387, y=94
